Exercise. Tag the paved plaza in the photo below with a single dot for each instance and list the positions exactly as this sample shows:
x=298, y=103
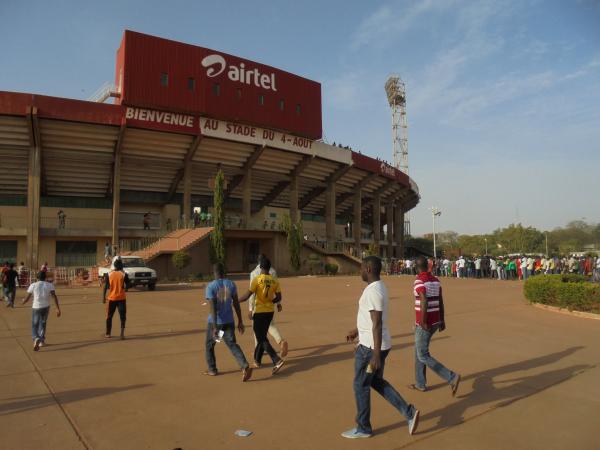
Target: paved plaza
x=530, y=377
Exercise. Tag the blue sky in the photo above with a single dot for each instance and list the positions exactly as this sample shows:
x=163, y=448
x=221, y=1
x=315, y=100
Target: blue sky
x=503, y=96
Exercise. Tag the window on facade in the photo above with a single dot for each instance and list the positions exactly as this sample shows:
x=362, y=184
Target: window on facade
x=8, y=251
x=164, y=79
x=76, y=253
x=298, y=108
x=281, y=105
x=261, y=99
x=191, y=84
x=216, y=89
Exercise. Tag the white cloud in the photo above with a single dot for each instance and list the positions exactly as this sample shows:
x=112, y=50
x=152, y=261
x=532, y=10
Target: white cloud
x=392, y=19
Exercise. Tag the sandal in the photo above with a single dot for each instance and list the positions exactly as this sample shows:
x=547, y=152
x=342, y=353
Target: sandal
x=246, y=374
x=278, y=366
x=417, y=388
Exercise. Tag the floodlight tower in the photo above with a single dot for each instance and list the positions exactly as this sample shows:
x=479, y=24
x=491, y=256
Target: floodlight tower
x=396, y=94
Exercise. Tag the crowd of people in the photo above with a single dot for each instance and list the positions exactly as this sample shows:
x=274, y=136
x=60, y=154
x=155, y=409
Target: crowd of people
x=371, y=336
x=511, y=267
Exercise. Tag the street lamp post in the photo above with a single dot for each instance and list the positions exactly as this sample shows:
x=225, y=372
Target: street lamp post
x=485, y=239
x=546, y=243
x=435, y=212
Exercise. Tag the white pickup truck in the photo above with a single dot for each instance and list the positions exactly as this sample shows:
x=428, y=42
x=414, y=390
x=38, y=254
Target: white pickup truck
x=135, y=268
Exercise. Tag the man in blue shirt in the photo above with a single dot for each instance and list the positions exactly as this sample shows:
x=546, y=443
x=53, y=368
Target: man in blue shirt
x=222, y=295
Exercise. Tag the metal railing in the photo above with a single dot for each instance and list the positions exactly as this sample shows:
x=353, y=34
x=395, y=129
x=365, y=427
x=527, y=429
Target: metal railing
x=75, y=223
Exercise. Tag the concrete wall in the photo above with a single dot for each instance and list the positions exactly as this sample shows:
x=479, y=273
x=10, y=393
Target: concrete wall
x=13, y=217
x=172, y=212
x=199, y=264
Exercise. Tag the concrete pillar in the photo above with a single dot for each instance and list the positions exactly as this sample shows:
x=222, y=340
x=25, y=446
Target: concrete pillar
x=389, y=211
x=33, y=195
x=187, y=194
x=357, y=222
x=399, y=230
x=330, y=215
x=247, y=198
x=377, y=220
x=294, y=215
x=116, y=210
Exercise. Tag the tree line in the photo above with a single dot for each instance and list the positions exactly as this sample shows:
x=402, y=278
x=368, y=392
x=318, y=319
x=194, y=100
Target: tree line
x=576, y=236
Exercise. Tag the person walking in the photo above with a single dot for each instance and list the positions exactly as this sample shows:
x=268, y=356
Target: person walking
x=374, y=343
x=41, y=291
x=268, y=293
x=273, y=329
x=115, y=284
x=10, y=279
x=5, y=268
x=429, y=309
x=222, y=296
x=107, y=252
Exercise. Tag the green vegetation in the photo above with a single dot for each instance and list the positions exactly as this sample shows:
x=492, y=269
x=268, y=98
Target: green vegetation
x=295, y=240
x=217, y=237
x=571, y=291
x=372, y=250
x=331, y=269
x=577, y=236
x=181, y=259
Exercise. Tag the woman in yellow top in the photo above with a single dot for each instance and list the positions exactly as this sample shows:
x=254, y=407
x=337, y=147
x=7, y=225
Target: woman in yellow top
x=267, y=292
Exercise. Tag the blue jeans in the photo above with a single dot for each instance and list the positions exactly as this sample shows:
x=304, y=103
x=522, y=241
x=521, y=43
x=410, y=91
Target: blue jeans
x=363, y=382
x=229, y=339
x=39, y=318
x=423, y=359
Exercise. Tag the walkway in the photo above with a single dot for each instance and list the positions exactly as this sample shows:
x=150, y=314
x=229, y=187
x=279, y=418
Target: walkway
x=530, y=376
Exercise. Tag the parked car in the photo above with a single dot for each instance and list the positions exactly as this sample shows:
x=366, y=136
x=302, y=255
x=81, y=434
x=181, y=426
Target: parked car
x=137, y=272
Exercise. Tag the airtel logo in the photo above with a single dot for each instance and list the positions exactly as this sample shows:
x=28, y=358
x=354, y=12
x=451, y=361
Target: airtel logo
x=215, y=65
x=211, y=61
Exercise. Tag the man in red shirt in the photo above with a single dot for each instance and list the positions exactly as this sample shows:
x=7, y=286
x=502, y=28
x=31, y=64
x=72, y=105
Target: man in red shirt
x=429, y=308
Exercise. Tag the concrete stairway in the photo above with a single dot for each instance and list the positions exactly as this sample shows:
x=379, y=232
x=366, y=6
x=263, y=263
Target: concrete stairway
x=322, y=251
x=172, y=242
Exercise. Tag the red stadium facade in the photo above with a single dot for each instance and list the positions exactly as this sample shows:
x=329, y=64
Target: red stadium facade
x=182, y=113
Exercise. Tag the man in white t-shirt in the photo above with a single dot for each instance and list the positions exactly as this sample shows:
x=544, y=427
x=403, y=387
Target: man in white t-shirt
x=273, y=330
x=460, y=266
x=41, y=291
x=374, y=343
x=524, y=271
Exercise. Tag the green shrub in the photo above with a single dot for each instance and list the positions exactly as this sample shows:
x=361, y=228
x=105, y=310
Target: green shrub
x=569, y=291
x=181, y=259
x=331, y=269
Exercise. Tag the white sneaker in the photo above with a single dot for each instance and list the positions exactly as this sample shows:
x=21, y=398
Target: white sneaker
x=355, y=434
x=36, y=344
x=413, y=423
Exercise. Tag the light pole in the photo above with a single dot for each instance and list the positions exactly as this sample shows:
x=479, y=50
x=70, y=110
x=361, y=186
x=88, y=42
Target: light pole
x=435, y=212
x=546, y=244
x=485, y=239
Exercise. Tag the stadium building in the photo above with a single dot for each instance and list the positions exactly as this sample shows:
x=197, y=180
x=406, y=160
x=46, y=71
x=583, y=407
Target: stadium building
x=139, y=173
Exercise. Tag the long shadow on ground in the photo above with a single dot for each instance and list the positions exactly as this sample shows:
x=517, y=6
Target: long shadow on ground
x=30, y=402
x=499, y=393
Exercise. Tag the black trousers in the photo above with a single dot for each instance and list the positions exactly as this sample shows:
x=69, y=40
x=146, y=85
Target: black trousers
x=261, y=324
x=121, y=305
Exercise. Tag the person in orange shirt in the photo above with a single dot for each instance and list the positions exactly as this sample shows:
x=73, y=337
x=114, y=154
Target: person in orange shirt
x=115, y=283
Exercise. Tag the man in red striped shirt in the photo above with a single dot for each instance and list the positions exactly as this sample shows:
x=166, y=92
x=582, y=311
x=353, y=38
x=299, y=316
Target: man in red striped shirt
x=429, y=309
